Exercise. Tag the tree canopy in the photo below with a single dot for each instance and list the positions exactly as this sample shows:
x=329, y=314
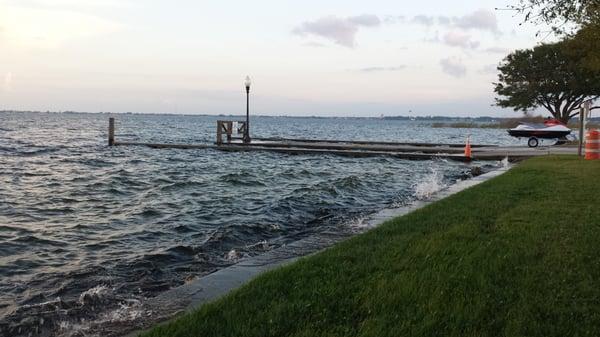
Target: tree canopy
x=586, y=43
x=560, y=13
x=578, y=20
x=549, y=76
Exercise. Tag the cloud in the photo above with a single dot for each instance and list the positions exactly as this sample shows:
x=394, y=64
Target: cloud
x=456, y=38
x=454, y=67
x=497, y=50
x=366, y=20
x=444, y=20
x=341, y=31
x=482, y=19
x=424, y=20
x=393, y=19
x=489, y=69
x=381, y=69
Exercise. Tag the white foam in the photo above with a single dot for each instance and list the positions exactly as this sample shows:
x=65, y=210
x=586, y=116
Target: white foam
x=51, y=302
x=233, y=255
x=260, y=245
x=431, y=184
x=68, y=329
x=97, y=293
x=128, y=311
x=359, y=223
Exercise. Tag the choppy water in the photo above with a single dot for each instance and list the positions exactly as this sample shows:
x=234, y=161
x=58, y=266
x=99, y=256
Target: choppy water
x=87, y=232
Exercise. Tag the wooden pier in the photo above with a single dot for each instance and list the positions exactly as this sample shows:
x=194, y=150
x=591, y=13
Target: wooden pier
x=402, y=150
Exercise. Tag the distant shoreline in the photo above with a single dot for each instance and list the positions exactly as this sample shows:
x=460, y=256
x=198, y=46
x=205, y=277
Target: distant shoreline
x=506, y=124
x=459, y=122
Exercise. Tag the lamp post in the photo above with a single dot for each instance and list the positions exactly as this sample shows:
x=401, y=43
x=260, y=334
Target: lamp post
x=247, y=83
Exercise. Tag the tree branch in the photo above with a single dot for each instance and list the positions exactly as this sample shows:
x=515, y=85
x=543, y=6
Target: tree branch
x=545, y=103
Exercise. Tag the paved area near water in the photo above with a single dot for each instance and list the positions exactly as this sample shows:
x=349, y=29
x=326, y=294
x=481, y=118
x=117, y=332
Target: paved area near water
x=521, y=152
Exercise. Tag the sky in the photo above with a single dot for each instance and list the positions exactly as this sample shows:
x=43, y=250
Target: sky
x=325, y=58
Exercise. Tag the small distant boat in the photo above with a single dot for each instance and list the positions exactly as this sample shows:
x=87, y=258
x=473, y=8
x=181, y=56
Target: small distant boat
x=551, y=129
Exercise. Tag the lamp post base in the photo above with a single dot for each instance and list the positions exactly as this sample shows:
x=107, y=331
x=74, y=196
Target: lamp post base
x=247, y=129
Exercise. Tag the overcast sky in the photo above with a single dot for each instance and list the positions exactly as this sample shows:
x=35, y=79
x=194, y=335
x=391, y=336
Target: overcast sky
x=309, y=57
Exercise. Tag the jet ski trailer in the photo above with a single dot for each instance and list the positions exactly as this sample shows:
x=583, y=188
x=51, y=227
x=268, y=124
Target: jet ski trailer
x=551, y=129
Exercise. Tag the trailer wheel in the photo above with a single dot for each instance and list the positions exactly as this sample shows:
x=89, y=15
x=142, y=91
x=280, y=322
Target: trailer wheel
x=533, y=142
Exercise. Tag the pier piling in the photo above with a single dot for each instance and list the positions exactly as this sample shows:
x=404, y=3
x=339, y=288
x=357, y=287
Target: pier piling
x=111, y=131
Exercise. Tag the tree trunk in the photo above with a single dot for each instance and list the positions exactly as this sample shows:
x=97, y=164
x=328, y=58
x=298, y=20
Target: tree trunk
x=558, y=115
x=564, y=119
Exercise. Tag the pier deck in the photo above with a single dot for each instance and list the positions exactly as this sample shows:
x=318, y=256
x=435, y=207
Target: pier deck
x=412, y=151
x=403, y=150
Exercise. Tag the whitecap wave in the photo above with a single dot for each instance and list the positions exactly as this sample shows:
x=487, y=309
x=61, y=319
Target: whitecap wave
x=432, y=183
x=99, y=293
x=233, y=255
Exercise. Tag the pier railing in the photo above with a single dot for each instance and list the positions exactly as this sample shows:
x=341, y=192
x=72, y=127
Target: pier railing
x=229, y=129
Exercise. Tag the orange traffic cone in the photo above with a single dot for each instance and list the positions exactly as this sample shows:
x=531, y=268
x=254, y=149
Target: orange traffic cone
x=468, y=148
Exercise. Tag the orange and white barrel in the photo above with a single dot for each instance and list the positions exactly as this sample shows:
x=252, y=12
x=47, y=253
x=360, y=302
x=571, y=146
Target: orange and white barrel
x=592, y=145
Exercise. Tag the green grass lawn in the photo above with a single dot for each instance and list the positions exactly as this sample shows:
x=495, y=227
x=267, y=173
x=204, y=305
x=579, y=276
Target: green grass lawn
x=518, y=255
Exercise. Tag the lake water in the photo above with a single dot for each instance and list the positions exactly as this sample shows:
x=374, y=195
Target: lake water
x=88, y=231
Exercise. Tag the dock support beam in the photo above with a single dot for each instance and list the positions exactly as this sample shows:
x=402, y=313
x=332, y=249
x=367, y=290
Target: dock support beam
x=111, y=131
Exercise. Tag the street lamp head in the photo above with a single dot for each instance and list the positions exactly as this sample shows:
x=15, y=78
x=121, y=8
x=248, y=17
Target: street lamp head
x=247, y=82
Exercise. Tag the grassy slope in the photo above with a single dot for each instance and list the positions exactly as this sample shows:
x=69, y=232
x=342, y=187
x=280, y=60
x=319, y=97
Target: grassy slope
x=515, y=256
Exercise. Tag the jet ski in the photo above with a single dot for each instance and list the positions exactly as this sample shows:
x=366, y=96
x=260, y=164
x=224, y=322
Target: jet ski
x=551, y=129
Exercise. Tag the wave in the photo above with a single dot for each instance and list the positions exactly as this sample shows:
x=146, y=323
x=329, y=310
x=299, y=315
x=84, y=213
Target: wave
x=28, y=152
x=34, y=240
x=240, y=179
x=429, y=185
x=93, y=309
x=182, y=185
x=352, y=182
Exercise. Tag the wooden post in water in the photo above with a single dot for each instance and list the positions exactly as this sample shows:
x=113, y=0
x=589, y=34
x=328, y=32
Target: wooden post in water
x=229, y=128
x=111, y=131
x=219, y=132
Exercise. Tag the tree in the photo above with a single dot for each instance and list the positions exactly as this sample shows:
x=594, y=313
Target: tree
x=586, y=43
x=546, y=76
x=561, y=15
x=577, y=20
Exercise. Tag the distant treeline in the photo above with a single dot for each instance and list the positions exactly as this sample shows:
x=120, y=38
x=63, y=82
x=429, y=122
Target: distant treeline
x=442, y=118
x=508, y=123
